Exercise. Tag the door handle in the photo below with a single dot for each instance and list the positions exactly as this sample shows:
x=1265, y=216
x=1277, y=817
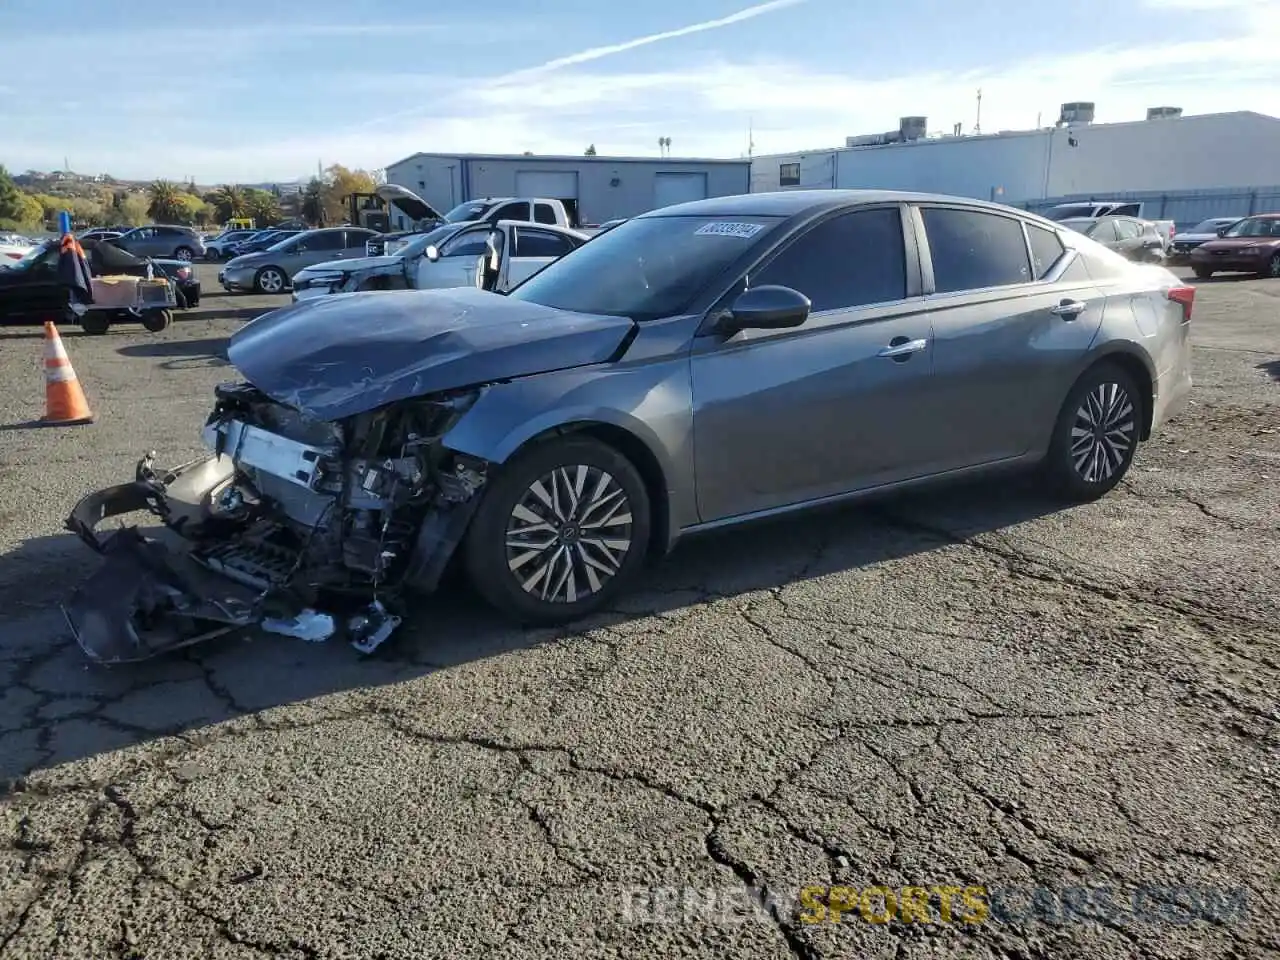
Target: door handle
x=900, y=348
x=1068, y=309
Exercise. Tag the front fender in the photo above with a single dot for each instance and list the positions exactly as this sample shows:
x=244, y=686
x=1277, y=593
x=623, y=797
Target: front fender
x=650, y=401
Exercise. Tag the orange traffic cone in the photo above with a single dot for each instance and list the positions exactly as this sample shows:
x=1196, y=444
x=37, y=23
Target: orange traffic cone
x=64, y=401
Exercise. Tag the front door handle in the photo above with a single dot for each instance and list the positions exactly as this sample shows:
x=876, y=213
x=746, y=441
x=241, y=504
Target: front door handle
x=1068, y=309
x=901, y=349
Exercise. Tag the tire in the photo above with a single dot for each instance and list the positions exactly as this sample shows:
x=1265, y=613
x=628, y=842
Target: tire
x=1078, y=464
x=184, y=253
x=157, y=320
x=1203, y=273
x=211, y=256
x=1273, y=267
x=612, y=488
x=270, y=280
x=95, y=322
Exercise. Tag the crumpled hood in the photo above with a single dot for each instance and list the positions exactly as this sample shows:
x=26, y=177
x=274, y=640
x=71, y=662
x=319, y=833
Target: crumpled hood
x=338, y=356
x=349, y=266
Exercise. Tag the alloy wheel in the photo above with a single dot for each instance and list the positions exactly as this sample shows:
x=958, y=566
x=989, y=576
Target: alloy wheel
x=183, y=253
x=270, y=281
x=569, y=534
x=1274, y=266
x=1103, y=433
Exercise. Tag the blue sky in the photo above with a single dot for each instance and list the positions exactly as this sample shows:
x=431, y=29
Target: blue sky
x=250, y=91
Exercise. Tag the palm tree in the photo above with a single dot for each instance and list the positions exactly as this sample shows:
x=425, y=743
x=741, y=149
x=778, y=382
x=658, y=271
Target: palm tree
x=229, y=201
x=164, y=201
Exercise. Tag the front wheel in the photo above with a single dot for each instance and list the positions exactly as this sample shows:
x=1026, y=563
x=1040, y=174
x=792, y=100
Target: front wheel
x=1203, y=273
x=270, y=280
x=561, y=531
x=1096, y=434
x=95, y=322
x=184, y=253
x=157, y=320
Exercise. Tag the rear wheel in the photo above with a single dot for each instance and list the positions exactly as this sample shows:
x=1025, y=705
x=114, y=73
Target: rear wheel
x=1273, y=266
x=184, y=253
x=1203, y=273
x=95, y=322
x=1096, y=434
x=561, y=531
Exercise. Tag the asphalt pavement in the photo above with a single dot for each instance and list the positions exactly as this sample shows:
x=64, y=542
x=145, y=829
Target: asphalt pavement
x=971, y=688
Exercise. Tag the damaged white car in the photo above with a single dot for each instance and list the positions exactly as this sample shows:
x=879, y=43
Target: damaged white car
x=446, y=257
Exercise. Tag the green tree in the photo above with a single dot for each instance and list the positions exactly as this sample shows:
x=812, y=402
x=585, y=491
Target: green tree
x=229, y=201
x=262, y=206
x=340, y=183
x=15, y=206
x=195, y=210
x=164, y=201
x=312, y=209
x=590, y=151
x=130, y=210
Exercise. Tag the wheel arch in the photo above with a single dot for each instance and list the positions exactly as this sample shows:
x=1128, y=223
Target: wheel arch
x=1137, y=364
x=627, y=439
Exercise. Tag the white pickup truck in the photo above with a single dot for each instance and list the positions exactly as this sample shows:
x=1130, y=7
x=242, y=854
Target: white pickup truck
x=449, y=256
x=489, y=210
x=1090, y=209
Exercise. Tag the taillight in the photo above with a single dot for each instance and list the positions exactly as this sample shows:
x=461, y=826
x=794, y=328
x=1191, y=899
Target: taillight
x=14, y=256
x=1186, y=296
x=184, y=272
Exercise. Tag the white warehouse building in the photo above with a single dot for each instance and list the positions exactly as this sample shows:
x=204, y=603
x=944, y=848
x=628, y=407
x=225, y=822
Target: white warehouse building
x=1193, y=166
x=594, y=189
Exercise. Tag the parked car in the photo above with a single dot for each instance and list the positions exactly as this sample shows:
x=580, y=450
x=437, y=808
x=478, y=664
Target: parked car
x=822, y=345
x=14, y=246
x=1096, y=209
x=220, y=246
x=1202, y=232
x=1137, y=240
x=260, y=241
x=162, y=240
x=271, y=270
x=448, y=256
x=31, y=290
x=1251, y=245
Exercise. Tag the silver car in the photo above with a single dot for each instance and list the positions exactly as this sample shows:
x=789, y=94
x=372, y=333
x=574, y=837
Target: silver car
x=272, y=270
x=161, y=240
x=695, y=367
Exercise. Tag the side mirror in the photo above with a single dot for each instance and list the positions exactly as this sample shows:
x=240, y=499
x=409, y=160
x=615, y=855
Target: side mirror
x=766, y=308
x=432, y=253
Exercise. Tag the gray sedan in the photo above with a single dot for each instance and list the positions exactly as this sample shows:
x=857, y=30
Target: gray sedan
x=272, y=270
x=162, y=240
x=695, y=367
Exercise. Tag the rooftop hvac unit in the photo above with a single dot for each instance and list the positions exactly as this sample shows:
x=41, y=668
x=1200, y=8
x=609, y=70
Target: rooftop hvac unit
x=1163, y=113
x=869, y=140
x=1079, y=112
x=913, y=128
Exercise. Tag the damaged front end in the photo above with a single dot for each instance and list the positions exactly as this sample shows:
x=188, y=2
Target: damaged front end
x=302, y=526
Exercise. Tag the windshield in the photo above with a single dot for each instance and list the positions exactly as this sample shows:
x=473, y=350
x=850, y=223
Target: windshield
x=1209, y=226
x=281, y=242
x=1078, y=224
x=473, y=210
x=420, y=243
x=1068, y=210
x=1255, y=227
x=645, y=268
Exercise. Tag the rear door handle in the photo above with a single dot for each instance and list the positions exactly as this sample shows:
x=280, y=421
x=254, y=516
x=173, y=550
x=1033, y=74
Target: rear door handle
x=1068, y=309
x=900, y=348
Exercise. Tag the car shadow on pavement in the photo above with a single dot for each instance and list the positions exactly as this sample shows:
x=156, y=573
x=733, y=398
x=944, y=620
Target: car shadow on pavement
x=182, y=354
x=1271, y=368
x=56, y=706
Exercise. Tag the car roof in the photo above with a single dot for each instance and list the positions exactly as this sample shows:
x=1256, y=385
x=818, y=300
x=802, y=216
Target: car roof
x=788, y=203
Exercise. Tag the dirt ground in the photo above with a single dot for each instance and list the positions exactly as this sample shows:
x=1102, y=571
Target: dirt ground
x=1073, y=710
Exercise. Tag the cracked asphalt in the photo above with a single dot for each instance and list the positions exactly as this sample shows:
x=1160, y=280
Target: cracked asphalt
x=971, y=687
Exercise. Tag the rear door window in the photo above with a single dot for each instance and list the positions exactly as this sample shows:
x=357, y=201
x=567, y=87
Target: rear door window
x=540, y=243
x=851, y=260
x=973, y=250
x=544, y=213
x=512, y=211
x=1127, y=229
x=1104, y=231
x=1046, y=248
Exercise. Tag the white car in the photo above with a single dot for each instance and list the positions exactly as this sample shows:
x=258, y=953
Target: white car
x=448, y=256
x=14, y=247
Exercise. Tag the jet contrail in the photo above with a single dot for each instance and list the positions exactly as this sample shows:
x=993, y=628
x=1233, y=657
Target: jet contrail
x=599, y=53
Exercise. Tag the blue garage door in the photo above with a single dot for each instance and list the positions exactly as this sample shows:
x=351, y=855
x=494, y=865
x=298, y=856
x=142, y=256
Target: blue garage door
x=669, y=188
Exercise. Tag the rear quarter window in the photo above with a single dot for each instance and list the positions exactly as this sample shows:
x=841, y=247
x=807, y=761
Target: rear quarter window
x=1046, y=249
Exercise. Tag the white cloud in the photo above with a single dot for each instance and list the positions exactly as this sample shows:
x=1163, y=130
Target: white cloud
x=705, y=107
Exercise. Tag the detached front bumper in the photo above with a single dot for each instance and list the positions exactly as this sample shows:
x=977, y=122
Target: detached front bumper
x=150, y=598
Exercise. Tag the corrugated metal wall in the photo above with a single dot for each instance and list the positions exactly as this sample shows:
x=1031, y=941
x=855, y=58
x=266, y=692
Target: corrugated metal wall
x=1185, y=207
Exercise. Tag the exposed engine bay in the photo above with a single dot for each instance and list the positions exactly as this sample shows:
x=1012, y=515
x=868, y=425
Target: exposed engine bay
x=306, y=528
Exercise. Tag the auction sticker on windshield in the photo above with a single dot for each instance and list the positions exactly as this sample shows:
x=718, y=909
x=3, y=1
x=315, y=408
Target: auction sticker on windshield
x=741, y=230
